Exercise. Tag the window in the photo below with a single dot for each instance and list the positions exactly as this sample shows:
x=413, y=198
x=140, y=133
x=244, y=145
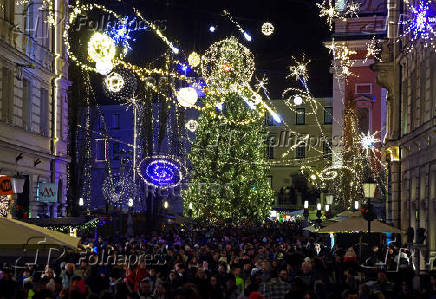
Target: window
x=7, y=94
x=100, y=150
x=29, y=25
x=300, y=116
x=27, y=105
x=328, y=115
x=115, y=121
x=8, y=10
x=363, y=88
x=301, y=151
x=43, y=112
x=327, y=148
x=115, y=151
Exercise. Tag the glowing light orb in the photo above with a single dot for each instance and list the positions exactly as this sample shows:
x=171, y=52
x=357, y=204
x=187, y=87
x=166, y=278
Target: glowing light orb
x=194, y=59
x=313, y=177
x=192, y=125
x=104, y=67
x=212, y=29
x=161, y=171
x=114, y=82
x=298, y=100
x=101, y=48
x=267, y=29
x=187, y=96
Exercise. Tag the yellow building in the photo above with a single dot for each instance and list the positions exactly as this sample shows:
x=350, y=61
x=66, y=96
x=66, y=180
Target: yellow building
x=302, y=139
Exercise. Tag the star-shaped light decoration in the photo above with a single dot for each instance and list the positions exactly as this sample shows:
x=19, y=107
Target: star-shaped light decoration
x=368, y=141
x=327, y=9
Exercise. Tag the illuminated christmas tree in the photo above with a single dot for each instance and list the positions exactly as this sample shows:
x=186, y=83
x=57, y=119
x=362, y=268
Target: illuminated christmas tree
x=229, y=172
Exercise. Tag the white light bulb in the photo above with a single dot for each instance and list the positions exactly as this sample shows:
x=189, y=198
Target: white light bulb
x=81, y=201
x=298, y=100
x=212, y=28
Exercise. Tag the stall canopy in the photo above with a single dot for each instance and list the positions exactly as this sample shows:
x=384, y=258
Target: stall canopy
x=356, y=223
x=14, y=232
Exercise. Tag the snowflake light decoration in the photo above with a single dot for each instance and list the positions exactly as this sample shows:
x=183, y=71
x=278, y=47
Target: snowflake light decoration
x=417, y=24
x=299, y=70
x=121, y=31
x=342, y=61
x=328, y=10
x=353, y=9
x=368, y=141
x=372, y=50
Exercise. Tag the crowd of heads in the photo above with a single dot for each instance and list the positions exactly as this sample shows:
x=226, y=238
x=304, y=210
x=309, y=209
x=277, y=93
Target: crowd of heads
x=273, y=260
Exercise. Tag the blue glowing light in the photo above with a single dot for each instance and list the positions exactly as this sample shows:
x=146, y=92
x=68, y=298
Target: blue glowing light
x=161, y=171
x=184, y=68
x=247, y=36
x=418, y=24
x=212, y=28
x=199, y=86
x=120, y=31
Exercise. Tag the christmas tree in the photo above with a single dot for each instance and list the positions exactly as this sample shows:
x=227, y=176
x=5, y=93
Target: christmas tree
x=229, y=172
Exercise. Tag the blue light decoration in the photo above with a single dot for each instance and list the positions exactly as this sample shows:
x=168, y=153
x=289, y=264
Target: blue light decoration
x=418, y=25
x=184, y=68
x=199, y=86
x=120, y=32
x=161, y=171
x=247, y=36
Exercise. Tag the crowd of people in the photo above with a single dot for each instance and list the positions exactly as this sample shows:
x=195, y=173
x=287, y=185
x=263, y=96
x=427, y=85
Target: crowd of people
x=272, y=261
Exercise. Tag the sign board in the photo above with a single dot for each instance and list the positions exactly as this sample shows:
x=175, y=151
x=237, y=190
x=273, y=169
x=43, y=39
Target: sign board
x=48, y=192
x=5, y=185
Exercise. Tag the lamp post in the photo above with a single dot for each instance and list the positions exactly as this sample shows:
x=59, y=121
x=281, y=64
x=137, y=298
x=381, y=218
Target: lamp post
x=356, y=205
x=129, y=218
x=306, y=210
x=369, y=190
x=318, y=213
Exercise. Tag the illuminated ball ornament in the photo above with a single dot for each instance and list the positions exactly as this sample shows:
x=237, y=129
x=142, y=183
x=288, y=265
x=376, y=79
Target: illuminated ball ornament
x=298, y=100
x=194, y=59
x=114, y=82
x=267, y=29
x=187, y=96
x=161, y=171
x=104, y=67
x=192, y=125
x=227, y=62
x=101, y=48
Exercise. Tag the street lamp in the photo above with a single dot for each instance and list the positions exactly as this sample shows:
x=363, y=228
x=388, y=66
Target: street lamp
x=369, y=190
x=329, y=199
x=165, y=205
x=306, y=210
x=81, y=202
x=327, y=208
x=356, y=205
x=318, y=213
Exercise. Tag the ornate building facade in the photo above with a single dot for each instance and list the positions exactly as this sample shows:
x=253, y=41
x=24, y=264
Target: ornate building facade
x=408, y=72
x=34, y=106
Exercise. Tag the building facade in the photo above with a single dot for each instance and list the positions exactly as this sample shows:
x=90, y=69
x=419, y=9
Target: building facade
x=34, y=106
x=287, y=151
x=408, y=72
x=360, y=84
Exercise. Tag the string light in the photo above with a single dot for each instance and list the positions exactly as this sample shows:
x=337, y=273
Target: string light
x=244, y=33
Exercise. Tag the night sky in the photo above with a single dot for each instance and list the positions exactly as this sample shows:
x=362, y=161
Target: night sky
x=298, y=31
